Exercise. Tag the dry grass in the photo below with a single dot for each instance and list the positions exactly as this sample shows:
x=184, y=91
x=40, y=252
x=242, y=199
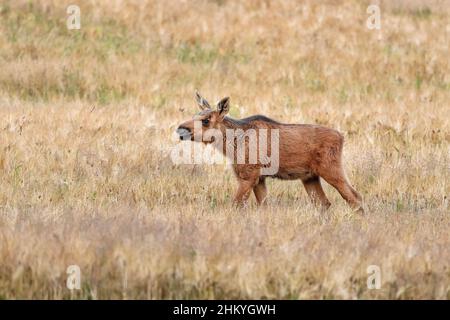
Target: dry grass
x=86, y=119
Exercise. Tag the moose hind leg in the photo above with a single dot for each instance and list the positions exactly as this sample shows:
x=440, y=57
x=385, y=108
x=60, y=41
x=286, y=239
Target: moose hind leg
x=315, y=192
x=338, y=180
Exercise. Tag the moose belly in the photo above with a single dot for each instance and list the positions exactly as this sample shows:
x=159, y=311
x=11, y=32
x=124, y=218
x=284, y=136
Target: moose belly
x=286, y=174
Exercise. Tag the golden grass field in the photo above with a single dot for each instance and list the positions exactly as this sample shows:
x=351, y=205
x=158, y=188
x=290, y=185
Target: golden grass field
x=86, y=128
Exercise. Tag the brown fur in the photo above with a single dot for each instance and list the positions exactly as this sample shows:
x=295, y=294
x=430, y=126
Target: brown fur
x=306, y=152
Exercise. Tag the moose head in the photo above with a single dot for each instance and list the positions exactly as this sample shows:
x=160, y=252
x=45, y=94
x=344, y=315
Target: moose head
x=207, y=118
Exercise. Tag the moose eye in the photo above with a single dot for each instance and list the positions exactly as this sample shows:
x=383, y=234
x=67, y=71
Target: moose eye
x=205, y=122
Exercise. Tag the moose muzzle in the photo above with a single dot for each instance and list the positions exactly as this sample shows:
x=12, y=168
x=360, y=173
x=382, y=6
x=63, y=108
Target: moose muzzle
x=184, y=133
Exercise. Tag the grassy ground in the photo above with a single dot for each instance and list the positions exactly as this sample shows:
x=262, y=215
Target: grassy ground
x=86, y=123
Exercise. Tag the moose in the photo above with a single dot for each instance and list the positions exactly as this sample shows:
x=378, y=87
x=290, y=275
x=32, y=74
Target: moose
x=307, y=152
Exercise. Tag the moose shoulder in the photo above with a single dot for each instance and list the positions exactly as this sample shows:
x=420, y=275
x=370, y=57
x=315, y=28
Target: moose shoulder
x=303, y=151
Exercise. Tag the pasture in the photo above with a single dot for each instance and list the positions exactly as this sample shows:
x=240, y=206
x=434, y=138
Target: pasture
x=87, y=121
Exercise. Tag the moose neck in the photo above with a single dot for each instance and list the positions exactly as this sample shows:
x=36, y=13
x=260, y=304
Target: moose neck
x=229, y=124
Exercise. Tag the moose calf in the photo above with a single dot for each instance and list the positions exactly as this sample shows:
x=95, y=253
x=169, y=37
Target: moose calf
x=306, y=152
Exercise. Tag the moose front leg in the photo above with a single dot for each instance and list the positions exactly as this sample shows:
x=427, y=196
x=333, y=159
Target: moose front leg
x=260, y=191
x=243, y=192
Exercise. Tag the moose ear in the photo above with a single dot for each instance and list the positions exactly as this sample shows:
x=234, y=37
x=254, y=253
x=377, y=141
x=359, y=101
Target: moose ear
x=223, y=106
x=202, y=103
